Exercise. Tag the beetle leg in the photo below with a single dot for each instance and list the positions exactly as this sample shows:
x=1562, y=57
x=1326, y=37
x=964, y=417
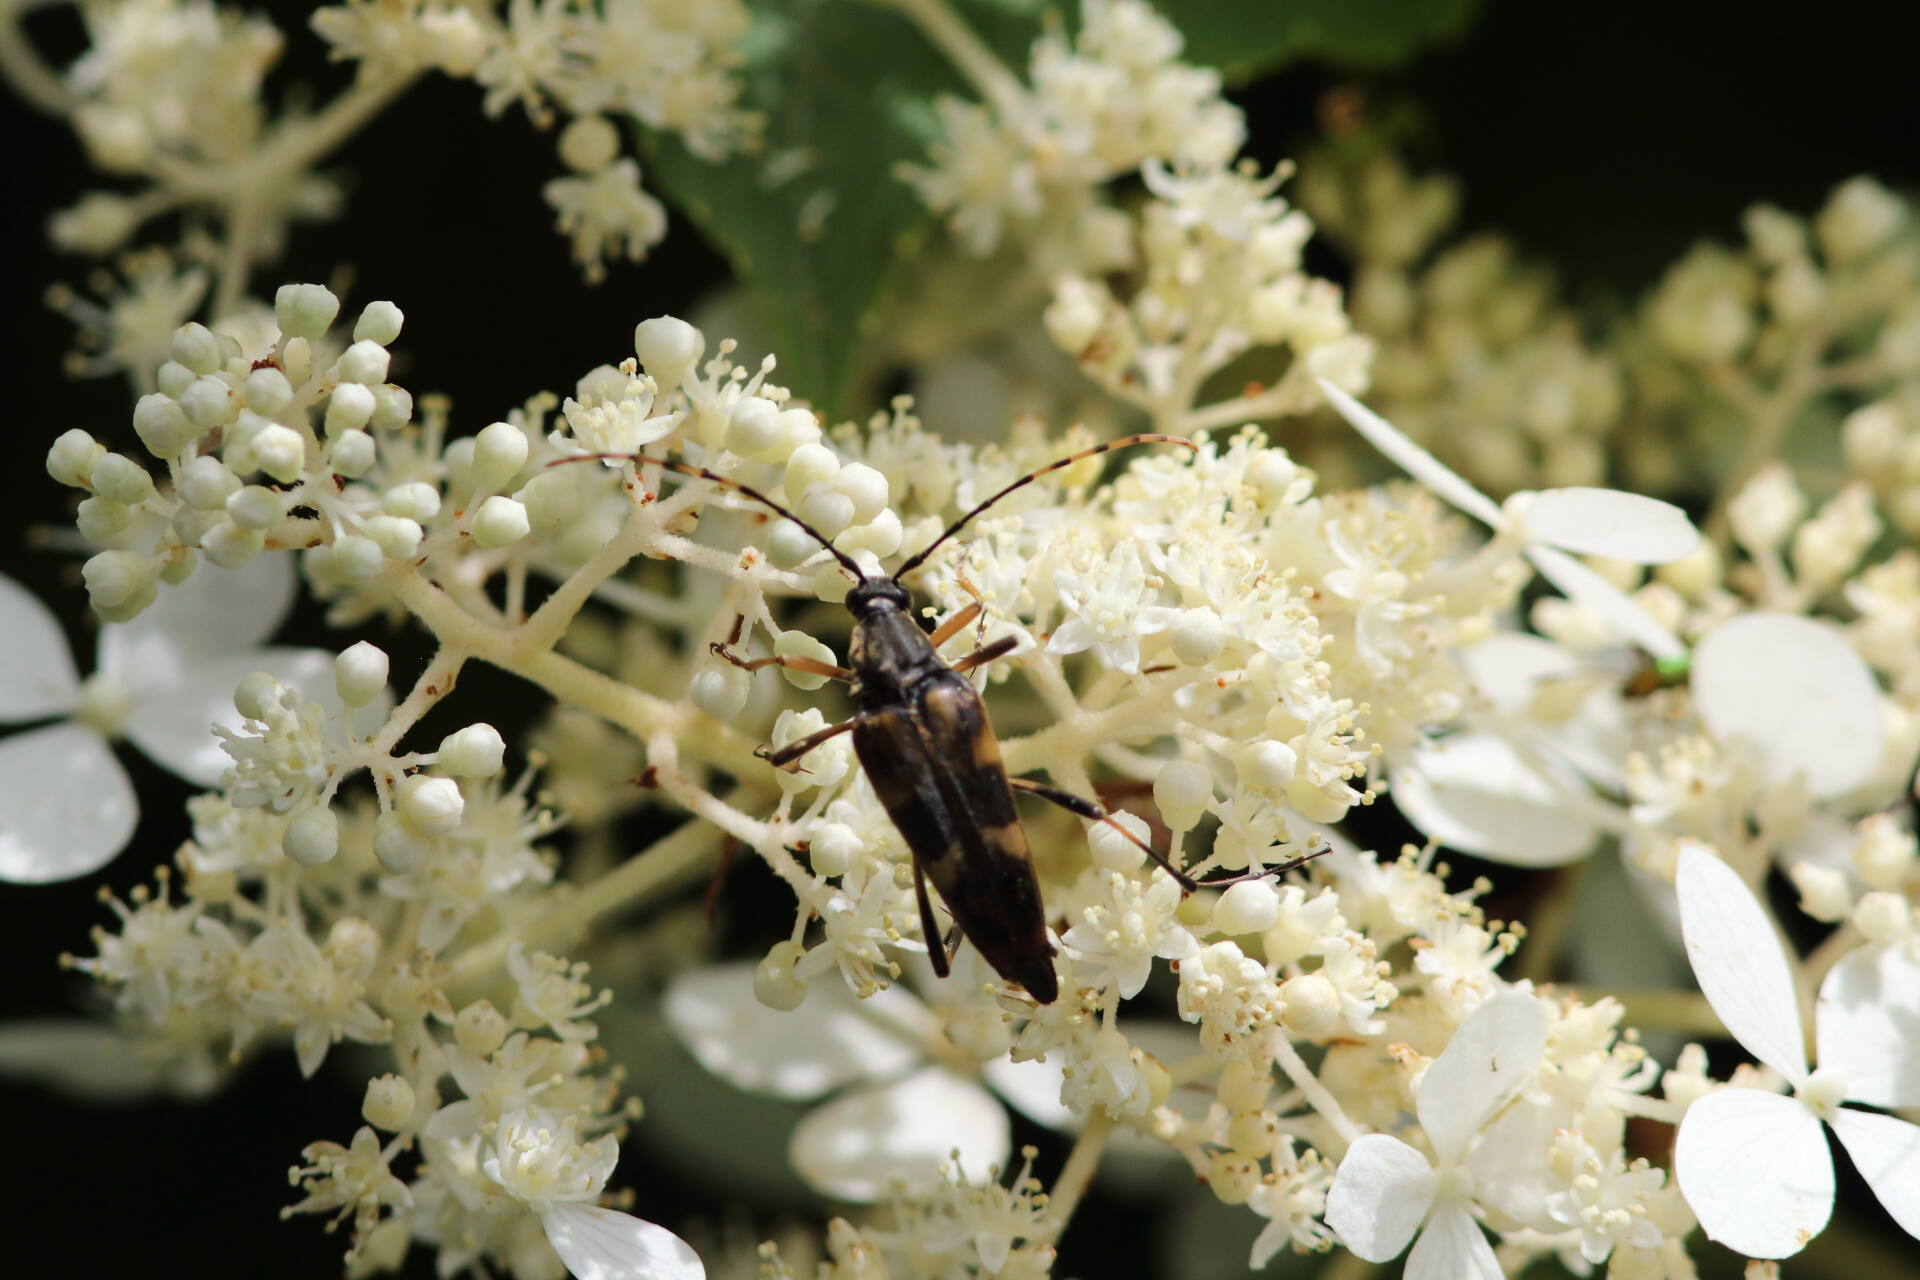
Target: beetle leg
x=791, y=662
x=980, y=657
x=956, y=624
x=788, y=757
x=936, y=949
x=1095, y=813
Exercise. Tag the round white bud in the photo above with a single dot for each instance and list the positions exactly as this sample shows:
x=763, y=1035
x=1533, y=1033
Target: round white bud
x=754, y=429
x=255, y=506
x=881, y=536
x=667, y=346
x=720, y=689
x=1197, y=636
x=1313, y=1005
x=476, y=751
x=206, y=484
x=775, y=984
x=379, y=322
x=1182, y=791
x=831, y=583
x=172, y=378
x=392, y=407
x=312, y=836
x=1824, y=893
x=430, y=805
x=178, y=566
x=1267, y=766
x=99, y=519
x=364, y=362
x=1883, y=918
x=1232, y=1176
x=296, y=357
x=1111, y=850
x=71, y=459
x=458, y=459
x=833, y=848
x=1074, y=318
x=267, y=391
x=788, y=545
x=397, y=849
x=865, y=487
x=194, y=346
x=1883, y=854
x=120, y=583
x=190, y=526
x=480, y=1028
x=356, y=558
x=799, y=427
x=500, y=522
x=1242, y=1088
x=589, y=144
x=809, y=465
x=229, y=546
x=257, y=695
x=1248, y=907
x=388, y=1104
x=304, y=310
x=397, y=537
x=798, y=644
x=499, y=451
x=1315, y=804
x=121, y=479
x=279, y=451
x=351, y=454
x=349, y=408
x=162, y=425
x=825, y=508
x=416, y=500
x=360, y=673
x=209, y=403
x=1272, y=476
x=551, y=498
x=1253, y=1133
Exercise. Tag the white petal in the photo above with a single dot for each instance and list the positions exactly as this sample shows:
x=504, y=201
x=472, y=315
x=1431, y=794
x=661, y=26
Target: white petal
x=66, y=807
x=214, y=611
x=38, y=677
x=1411, y=458
x=1453, y=1247
x=173, y=726
x=1755, y=1169
x=1607, y=522
x=1490, y=1058
x=1867, y=1026
x=605, y=1244
x=1591, y=591
x=1886, y=1151
x=1738, y=961
x=1475, y=793
x=79, y=1057
x=832, y=1039
x=1796, y=692
x=1379, y=1197
x=857, y=1146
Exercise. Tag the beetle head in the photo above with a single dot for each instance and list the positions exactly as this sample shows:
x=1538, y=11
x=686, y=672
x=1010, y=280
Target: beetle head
x=875, y=595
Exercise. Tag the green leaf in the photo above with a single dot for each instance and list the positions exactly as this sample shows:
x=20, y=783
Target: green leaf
x=1246, y=38
x=816, y=221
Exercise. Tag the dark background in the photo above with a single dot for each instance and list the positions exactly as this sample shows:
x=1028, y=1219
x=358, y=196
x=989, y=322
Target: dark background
x=1604, y=139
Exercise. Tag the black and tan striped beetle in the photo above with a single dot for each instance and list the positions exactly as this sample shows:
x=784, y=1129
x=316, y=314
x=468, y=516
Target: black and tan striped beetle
x=922, y=735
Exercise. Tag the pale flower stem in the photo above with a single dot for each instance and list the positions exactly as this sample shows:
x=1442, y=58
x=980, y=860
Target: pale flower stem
x=660, y=866
x=1310, y=1087
x=1076, y=1175
x=242, y=222
x=549, y=622
x=435, y=683
x=1238, y=411
x=949, y=33
x=1768, y=420
x=21, y=65
x=1823, y=957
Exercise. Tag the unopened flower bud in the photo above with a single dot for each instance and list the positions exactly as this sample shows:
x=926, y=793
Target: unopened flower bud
x=810, y=465
x=415, y=500
x=312, y=836
x=865, y=487
x=194, y=346
x=99, y=519
x=206, y=484
x=121, y=479
x=1197, y=636
x=162, y=425
x=1883, y=917
x=379, y=322
x=363, y=362
x=833, y=848
x=70, y=461
x=359, y=674
x=209, y=403
x=1233, y=1177
x=1824, y=894
x=788, y=545
x=304, y=310
x=173, y=378
x=1182, y=791
x=397, y=537
x=798, y=644
x=1859, y=217
x=499, y=451
x=388, y=1104
x=229, y=546
x=1267, y=766
x=589, y=144
x=754, y=429
x=500, y=522
x=882, y=535
x=476, y=751
x=397, y=847
x=775, y=984
x=720, y=689
x=1884, y=853
x=1248, y=907
x=1111, y=850
x=1252, y=1134
x=279, y=451
x=826, y=509
x=479, y=1028
x=267, y=391
x=667, y=347
x=431, y=805
x=349, y=408
x=1312, y=1005
x=1243, y=1087
x=257, y=695
x=357, y=558
x=351, y=454
x=120, y=583
x=255, y=506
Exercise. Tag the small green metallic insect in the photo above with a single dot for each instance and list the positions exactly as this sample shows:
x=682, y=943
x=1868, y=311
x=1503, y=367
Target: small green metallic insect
x=922, y=735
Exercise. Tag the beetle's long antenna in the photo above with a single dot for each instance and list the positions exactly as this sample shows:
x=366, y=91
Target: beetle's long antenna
x=701, y=473
x=1147, y=438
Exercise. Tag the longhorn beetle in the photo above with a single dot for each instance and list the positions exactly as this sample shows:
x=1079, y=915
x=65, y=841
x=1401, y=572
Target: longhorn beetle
x=921, y=733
